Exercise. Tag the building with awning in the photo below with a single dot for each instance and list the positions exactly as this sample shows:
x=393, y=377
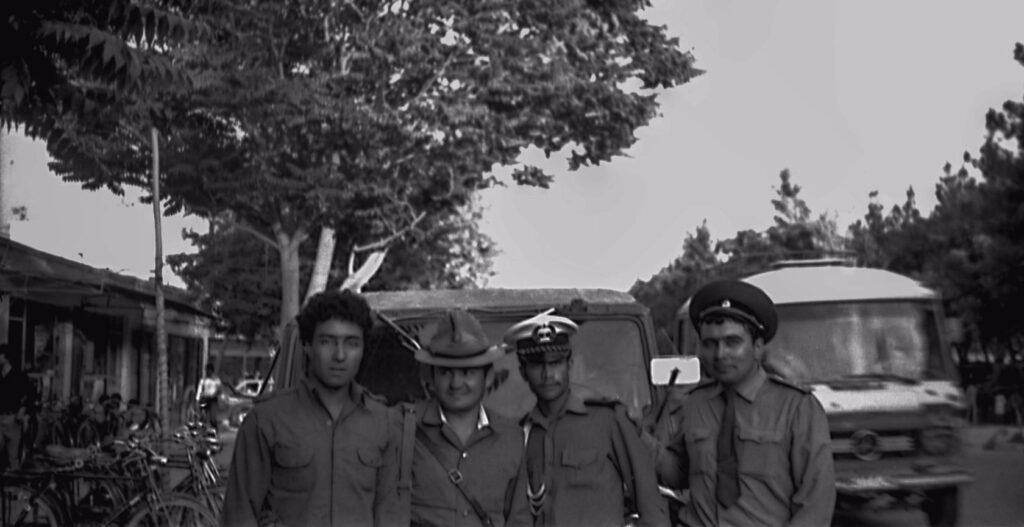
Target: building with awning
x=79, y=330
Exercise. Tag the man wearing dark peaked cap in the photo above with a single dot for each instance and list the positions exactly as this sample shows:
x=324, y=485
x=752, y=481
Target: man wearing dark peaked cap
x=585, y=464
x=756, y=449
x=466, y=460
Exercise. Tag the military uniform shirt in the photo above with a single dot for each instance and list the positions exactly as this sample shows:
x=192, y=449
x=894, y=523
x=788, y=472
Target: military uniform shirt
x=295, y=466
x=594, y=459
x=489, y=464
x=786, y=471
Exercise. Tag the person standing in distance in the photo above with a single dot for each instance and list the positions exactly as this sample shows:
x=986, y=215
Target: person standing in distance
x=755, y=448
x=16, y=393
x=207, y=395
x=322, y=452
x=466, y=460
x=585, y=465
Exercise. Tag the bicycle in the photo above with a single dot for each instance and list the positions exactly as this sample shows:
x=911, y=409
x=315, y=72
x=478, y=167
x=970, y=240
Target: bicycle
x=133, y=494
x=204, y=479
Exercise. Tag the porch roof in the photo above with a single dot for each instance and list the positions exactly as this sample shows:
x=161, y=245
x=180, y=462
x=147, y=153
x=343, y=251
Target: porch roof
x=51, y=279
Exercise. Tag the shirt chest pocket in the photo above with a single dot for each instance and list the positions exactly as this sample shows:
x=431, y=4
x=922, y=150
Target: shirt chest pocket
x=293, y=468
x=700, y=449
x=364, y=465
x=582, y=466
x=763, y=453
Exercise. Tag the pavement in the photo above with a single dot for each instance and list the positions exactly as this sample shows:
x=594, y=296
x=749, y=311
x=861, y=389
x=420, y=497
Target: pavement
x=994, y=437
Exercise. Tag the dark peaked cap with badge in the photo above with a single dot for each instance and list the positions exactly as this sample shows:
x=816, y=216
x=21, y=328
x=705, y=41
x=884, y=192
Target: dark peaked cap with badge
x=543, y=333
x=738, y=300
x=459, y=341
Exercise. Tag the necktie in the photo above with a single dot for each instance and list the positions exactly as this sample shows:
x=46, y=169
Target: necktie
x=535, y=469
x=727, y=491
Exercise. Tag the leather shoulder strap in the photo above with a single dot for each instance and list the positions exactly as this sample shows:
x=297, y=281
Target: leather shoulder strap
x=456, y=478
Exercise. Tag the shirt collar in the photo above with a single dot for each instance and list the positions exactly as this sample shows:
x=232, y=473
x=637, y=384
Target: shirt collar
x=573, y=404
x=748, y=389
x=481, y=422
x=355, y=390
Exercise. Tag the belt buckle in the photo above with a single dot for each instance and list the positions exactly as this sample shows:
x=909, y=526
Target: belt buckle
x=455, y=476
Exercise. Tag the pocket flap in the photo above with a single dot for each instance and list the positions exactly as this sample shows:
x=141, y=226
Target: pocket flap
x=698, y=433
x=292, y=456
x=578, y=457
x=370, y=457
x=761, y=436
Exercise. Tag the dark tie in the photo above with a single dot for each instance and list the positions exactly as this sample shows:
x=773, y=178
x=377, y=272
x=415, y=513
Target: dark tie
x=728, y=488
x=535, y=457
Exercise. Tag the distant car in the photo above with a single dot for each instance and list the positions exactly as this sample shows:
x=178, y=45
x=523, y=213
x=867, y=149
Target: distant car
x=249, y=387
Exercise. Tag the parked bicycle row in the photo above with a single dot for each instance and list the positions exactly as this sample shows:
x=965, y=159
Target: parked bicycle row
x=123, y=482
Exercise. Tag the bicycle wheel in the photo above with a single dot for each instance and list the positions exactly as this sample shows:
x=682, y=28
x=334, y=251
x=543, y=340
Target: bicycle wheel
x=88, y=434
x=174, y=511
x=25, y=507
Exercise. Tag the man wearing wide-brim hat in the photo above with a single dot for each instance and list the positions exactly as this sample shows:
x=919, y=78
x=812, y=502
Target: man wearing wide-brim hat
x=466, y=459
x=585, y=464
x=755, y=448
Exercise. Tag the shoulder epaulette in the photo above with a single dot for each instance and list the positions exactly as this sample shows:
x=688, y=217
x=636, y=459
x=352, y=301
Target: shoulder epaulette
x=369, y=396
x=602, y=401
x=788, y=384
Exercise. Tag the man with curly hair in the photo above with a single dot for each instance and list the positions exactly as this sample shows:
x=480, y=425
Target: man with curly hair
x=323, y=452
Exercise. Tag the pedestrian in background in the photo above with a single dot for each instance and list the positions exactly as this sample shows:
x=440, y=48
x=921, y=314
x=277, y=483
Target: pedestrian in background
x=322, y=452
x=16, y=393
x=754, y=448
x=208, y=393
x=466, y=461
x=585, y=464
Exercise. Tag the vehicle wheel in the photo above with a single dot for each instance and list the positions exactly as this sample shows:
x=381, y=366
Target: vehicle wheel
x=174, y=511
x=942, y=506
x=19, y=507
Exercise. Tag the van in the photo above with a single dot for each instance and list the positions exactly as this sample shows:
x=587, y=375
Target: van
x=873, y=347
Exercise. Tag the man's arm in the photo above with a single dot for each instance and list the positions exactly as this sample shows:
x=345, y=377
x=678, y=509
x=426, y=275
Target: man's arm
x=633, y=452
x=388, y=507
x=813, y=468
x=517, y=506
x=249, y=476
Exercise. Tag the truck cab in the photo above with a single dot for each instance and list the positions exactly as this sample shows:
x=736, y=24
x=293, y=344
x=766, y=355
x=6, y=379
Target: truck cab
x=872, y=346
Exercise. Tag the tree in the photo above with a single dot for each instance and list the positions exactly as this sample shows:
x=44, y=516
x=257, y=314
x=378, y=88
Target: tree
x=796, y=232
x=665, y=292
x=366, y=119
x=239, y=278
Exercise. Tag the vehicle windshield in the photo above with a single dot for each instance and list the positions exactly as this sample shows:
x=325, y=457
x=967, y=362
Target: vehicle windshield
x=608, y=360
x=883, y=340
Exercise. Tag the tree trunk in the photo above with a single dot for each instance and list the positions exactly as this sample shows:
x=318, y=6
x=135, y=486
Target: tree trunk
x=288, y=249
x=162, y=396
x=6, y=159
x=324, y=259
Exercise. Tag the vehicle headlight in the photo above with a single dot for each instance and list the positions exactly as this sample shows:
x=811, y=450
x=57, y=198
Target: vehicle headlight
x=938, y=441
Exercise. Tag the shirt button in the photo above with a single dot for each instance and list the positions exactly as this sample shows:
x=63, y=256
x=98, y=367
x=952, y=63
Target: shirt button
x=464, y=455
x=465, y=514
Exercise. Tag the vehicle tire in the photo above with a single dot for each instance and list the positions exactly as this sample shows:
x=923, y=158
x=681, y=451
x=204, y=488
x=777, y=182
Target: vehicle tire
x=20, y=509
x=176, y=510
x=942, y=506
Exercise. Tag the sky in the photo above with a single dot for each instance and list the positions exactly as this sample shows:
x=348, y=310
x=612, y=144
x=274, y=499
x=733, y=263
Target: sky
x=850, y=96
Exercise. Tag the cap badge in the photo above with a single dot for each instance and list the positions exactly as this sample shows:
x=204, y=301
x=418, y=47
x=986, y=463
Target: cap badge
x=726, y=303
x=543, y=334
